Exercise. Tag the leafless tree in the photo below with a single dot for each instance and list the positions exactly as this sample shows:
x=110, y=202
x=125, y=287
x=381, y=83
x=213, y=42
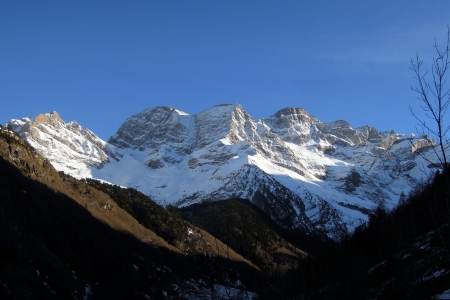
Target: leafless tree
x=435, y=98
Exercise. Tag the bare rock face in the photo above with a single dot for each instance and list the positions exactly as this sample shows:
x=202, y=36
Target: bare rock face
x=52, y=118
x=422, y=145
x=218, y=123
x=155, y=127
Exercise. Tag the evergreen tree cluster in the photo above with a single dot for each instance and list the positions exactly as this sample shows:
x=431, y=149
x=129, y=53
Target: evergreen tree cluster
x=241, y=226
x=168, y=225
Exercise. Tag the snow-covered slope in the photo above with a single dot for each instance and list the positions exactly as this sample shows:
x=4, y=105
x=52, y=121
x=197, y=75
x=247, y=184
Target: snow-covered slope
x=303, y=172
x=70, y=147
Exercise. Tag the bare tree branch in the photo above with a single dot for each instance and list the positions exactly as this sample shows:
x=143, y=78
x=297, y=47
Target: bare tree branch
x=435, y=99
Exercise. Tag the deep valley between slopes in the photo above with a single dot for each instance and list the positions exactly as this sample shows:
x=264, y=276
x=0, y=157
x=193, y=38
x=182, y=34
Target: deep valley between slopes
x=322, y=178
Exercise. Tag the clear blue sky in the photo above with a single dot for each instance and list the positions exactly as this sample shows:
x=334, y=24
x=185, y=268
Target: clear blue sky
x=99, y=62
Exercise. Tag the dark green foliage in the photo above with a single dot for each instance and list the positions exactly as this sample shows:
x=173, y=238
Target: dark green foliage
x=244, y=228
x=168, y=225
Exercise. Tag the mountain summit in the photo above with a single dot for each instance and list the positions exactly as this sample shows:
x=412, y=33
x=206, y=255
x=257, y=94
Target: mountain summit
x=320, y=177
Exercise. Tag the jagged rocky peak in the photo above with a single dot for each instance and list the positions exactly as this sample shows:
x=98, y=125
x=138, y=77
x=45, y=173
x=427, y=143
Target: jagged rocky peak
x=154, y=127
x=24, y=126
x=296, y=125
x=291, y=116
x=224, y=121
x=422, y=144
x=292, y=124
x=62, y=141
x=372, y=135
x=340, y=132
x=49, y=118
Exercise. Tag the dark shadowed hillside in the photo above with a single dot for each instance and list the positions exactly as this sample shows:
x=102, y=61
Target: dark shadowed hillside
x=246, y=228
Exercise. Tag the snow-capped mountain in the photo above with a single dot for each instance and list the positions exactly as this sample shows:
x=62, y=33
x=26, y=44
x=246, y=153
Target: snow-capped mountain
x=71, y=147
x=303, y=172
